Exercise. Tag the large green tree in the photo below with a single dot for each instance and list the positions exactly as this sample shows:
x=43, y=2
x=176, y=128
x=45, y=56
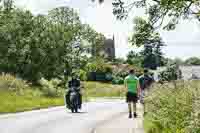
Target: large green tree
x=134, y=58
x=146, y=35
x=95, y=39
x=43, y=45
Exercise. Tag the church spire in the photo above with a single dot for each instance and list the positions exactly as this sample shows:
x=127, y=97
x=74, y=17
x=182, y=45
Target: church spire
x=113, y=38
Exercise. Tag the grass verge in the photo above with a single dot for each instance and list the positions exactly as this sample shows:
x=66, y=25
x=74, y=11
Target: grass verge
x=173, y=108
x=31, y=98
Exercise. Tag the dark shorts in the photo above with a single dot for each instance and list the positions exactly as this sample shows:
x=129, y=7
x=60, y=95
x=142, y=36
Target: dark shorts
x=131, y=97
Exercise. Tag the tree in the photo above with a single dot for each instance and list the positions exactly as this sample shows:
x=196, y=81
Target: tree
x=160, y=10
x=171, y=73
x=39, y=46
x=145, y=35
x=95, y=39
x=134, y=58
x=7, y=5
x=178, y=61
x=148, y=57
x=192, y=61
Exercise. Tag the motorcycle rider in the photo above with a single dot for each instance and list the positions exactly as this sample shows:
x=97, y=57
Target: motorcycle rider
x=74, y=83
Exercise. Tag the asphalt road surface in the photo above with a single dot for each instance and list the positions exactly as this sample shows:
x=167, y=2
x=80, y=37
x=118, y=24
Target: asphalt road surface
x=60, y=120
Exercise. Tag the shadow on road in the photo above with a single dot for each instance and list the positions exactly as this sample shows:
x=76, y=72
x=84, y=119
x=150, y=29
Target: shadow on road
x=77, y=112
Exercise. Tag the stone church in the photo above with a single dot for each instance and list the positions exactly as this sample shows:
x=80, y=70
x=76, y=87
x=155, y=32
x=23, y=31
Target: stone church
x=109, y=48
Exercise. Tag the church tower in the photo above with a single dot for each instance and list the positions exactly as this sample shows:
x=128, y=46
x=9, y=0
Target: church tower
x=109, y=48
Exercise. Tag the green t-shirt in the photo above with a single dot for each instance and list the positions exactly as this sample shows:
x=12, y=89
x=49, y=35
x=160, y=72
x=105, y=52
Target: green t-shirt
x=131, y=82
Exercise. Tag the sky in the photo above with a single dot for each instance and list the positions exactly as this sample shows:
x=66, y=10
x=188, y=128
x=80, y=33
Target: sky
x=183, y=42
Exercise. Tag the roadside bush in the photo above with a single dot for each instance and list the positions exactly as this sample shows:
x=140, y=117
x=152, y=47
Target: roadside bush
x=11, y=83
x=173, y=108
x=99, y=71
x=98, y=67
x=171, y=73
x=118, y=80
x=123, y=70
x=82, y=75
x=50, y=88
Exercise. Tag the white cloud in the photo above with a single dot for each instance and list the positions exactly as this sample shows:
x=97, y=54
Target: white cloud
x=182, y=51
x=40, y=6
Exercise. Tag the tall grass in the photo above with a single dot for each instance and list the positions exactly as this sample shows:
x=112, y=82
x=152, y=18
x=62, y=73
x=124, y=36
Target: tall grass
x=17, y=95
x=174, y=108
x=31, y=99
x=11, y=83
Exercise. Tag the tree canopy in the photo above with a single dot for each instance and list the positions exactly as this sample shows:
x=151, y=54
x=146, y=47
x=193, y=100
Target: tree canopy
x=43, y=45
x=145, y=35
x=159, y=11
x=192, y=61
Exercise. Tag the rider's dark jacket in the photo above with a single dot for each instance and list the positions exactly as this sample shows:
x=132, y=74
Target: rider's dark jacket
x=74, y=83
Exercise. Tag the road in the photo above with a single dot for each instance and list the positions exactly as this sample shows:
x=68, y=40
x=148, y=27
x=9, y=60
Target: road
x=59, y=120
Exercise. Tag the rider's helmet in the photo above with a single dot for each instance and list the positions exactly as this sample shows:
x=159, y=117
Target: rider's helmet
x=74, y=75
x=146, y=71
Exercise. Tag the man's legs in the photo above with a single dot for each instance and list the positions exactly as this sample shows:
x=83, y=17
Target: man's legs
x=129, y=109
x=132, y=99
x=67, y=100
x=135, y=109
x=145, y=92
x=80, y=100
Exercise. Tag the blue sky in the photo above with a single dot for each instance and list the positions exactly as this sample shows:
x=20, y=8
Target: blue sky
x=183, y=42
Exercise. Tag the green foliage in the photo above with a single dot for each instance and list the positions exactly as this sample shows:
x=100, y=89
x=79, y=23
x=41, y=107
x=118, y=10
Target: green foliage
x=99, y=65
x=82, y=74
x=118, y=80
x=145, y=35
x=121, y=71
x=95, y=39
x=171, y=73
x=134, y=59
x=159, y=10
x=117, y=61
x=173, y=108
x=35, y=97
x=21, y=96
x=31, y=99
x=193, y=61
x=43, y=46
x=50, y=88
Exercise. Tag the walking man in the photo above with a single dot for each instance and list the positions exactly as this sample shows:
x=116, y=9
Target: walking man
x=133, y=90
x=145, y=82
